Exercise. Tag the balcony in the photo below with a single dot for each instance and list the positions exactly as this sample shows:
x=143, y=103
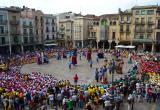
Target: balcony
x=25, y=26
x=16, y=40
x=15, y=33
x=14, y=22
x=25, y=34
x=128, y=31
x=158, y=26
x=150, y=23
x=139, y=30
x=140, y=23
x=3, y=22
x=149, y=30
x=4, y=33
x=121, y=22
x=141, y=39
x=128, y=22
x=121, y=30
x=47, y=23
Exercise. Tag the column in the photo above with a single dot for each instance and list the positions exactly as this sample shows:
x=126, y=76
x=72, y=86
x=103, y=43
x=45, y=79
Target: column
x=82, y=44
x=10, y=48
x=74, y=44
x=144, y=46
x=109, y=41
x=153, y=47
x=22, y=49
x=97, y=44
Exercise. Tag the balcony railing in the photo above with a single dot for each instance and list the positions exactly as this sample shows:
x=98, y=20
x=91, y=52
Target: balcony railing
x=4, y=33
x=16, y=41
x=150, y=22
x=122, y=30
x=127, y=30
x=128, y=22
x=140, y=23
x=121, y=22
x=47, y=23
x=15, y=32
x=158, y=26
x=14, y=22
x=149, y=30
x=139, y=30
x=3, y=22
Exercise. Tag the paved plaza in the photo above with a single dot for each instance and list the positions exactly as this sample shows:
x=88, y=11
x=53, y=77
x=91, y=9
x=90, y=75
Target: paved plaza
x=59, y=69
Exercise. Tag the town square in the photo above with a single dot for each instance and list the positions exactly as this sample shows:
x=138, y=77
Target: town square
x=67, y=55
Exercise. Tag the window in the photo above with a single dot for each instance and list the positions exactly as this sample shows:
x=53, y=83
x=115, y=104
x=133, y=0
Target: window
x=52, y=21
x=47, y=37
x=142, y=20
x=149, y=27
x=149, y=19
x=3, y=40
x=149, y=36
x=137, y=12
x=31, y=39
x=122, y=18
x=150, y=12
x=25, y=39
x=30, y=23
x=110, y=22
x=24, y=22
x=137, y=20
x=14, y=18
x=1, y=17
x=25, y=31
x=121, y=28
x=114, y=22
x=15, y=39
x=36, y=32
x=53, y=37
x=128, y=18
x=127, y=28
x=142, y=28
x=97, y=23
x=30, y=31
x=47, y=29
x=141, y=36
x=1, y=29
x=52, y=29
x=143, y=12
x=113, y=36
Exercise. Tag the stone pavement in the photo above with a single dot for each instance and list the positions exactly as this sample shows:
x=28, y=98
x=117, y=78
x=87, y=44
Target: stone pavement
x=59, y=69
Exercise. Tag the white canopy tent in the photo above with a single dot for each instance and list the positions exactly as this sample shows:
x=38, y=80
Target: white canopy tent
x=50, y=44
x=125, y=47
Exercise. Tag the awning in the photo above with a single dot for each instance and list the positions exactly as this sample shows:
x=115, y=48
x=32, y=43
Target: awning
x=123, y=46
x=50, y=44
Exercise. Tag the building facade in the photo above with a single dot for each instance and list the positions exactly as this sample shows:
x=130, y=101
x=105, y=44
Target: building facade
x=125, y=27
x=39, y=35
x=144, y=23
x=50, y=29
x=157, y=43
x=14, y=29
x=27, y=29
x=81, y=31
x=4, y=28
x=66, y=32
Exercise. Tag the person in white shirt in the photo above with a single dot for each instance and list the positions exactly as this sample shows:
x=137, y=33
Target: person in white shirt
x=51, y=98
x=107, y=104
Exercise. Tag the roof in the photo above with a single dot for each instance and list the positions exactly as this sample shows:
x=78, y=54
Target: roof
x=145, y=7
x=109, y=16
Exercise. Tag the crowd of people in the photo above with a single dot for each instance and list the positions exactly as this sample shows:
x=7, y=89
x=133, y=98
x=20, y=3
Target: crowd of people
x=42, y=91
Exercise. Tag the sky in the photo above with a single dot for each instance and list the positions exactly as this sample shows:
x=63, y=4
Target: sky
x=97, y=7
